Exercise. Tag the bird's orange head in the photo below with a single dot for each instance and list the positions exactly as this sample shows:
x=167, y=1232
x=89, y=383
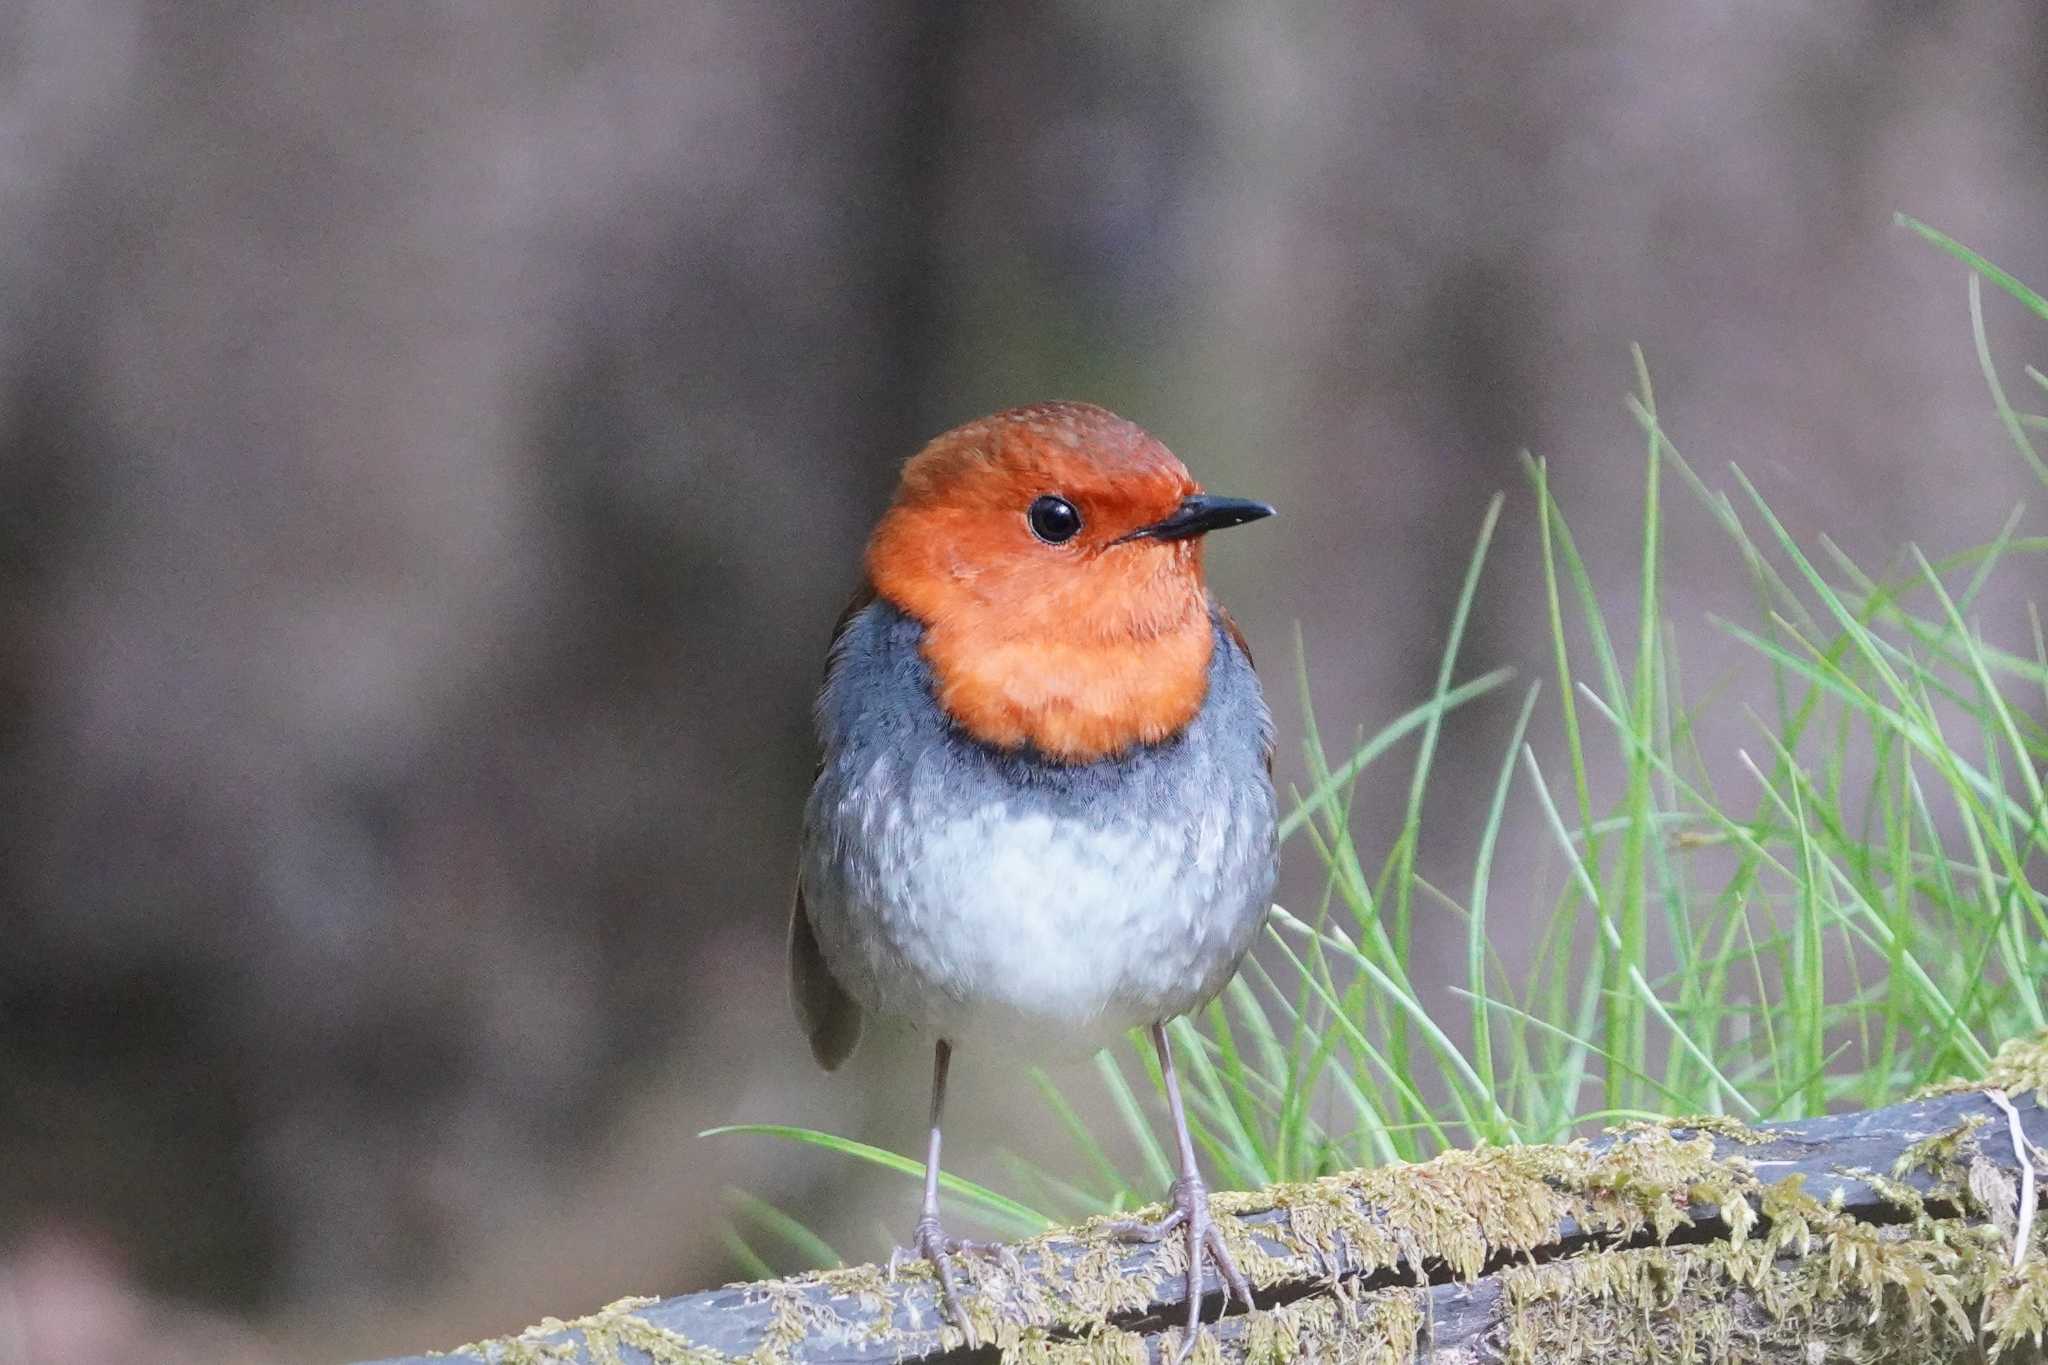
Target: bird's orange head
x=1053, y=555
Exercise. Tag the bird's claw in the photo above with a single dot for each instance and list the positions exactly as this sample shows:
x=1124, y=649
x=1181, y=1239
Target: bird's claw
x=1204, y=1239
x=931, y=1243
x=1138, y=1230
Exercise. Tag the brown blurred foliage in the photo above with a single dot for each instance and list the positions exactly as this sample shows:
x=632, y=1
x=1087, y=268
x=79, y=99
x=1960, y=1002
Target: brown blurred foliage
x=436, y=438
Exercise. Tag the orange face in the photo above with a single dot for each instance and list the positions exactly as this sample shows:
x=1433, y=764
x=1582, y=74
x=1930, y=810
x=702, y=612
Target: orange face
x=1054, y=556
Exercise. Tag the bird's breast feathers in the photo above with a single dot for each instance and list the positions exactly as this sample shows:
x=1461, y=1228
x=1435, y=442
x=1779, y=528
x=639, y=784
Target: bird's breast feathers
x=991, y=894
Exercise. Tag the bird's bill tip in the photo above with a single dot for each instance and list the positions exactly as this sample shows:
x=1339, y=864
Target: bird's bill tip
x=1201, y=513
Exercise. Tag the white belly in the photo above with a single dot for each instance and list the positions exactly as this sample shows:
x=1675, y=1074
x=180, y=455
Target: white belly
x=1042, y=932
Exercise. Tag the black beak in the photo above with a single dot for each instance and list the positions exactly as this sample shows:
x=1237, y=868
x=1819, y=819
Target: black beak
x=1198, y=515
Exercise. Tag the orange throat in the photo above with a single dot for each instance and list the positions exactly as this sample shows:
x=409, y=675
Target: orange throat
x=1073, y=701
x=1077, y=667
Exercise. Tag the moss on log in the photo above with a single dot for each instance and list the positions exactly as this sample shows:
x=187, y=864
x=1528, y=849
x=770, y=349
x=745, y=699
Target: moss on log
x=1880, y=1236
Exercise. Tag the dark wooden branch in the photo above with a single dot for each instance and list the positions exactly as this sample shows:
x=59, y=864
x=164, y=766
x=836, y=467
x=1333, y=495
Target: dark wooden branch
x=1766, y=1239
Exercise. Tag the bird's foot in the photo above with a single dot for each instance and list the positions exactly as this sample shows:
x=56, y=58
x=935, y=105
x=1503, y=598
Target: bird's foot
x=932, y=1244
x=1190, y=1216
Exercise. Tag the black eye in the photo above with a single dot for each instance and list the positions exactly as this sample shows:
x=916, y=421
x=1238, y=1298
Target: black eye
x=1054, y=520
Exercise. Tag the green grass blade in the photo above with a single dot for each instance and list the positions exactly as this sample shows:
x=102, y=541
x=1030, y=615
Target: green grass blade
x=1015, y=1218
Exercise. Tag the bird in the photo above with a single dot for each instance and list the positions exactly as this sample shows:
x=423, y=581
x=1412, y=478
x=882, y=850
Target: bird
x=1044, y=814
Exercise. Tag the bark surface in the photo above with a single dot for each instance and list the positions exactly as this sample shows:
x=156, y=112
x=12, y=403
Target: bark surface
x=1886, y=1235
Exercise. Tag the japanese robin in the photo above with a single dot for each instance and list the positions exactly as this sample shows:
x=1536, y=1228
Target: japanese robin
x=1044, y=815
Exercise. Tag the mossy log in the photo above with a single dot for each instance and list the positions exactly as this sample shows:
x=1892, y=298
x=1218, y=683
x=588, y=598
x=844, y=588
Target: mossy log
x=1880, y=1236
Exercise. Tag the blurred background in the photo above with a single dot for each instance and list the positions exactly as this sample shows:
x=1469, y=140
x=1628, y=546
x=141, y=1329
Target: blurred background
x=436, y=439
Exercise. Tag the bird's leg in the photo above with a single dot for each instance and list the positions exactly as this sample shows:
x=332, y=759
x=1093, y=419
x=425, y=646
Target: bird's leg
x=1190, y=1212
x=931, y=1241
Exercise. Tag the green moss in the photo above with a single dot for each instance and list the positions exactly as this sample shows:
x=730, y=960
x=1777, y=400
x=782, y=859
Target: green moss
x=2020, y=1068
x=1708, y=1303
x=1380, y=1328
x=1792, y=1272
x=1105, y=1347
x=2016, y=1309
x=1278, y=1337
x=1463, y=1210
x=606, y=1334
x=1720, y=1126
x=1873, y=1294
x=1944, y=1153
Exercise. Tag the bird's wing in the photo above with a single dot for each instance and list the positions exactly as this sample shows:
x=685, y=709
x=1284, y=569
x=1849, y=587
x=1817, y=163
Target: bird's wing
x=830, y=1017
x=1244, y=648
